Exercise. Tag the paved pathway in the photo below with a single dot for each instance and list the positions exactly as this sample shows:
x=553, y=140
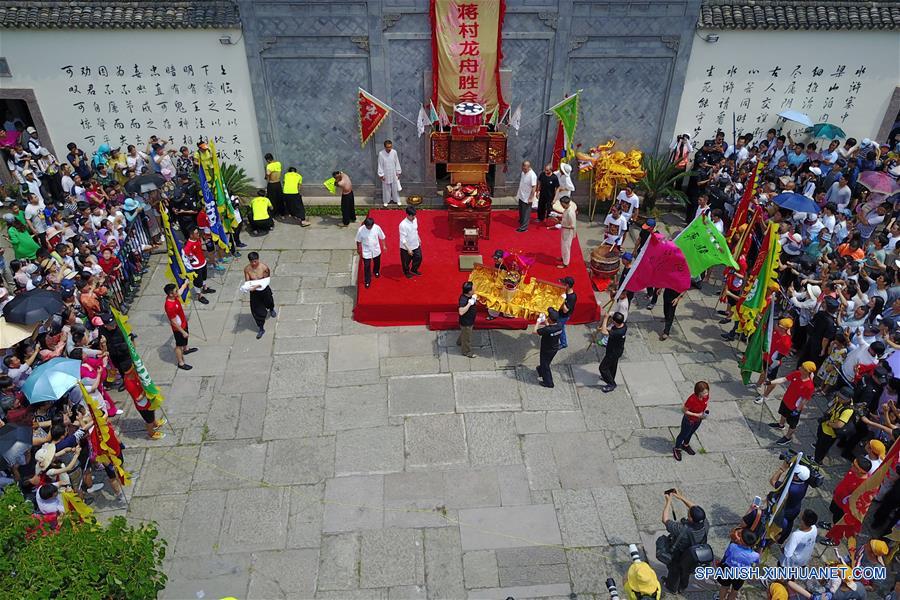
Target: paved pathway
x=336, y=460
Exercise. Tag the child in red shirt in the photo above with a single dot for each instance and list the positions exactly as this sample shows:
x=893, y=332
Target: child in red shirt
x=781, y=347
x=111, y=265
x=695, y=410
x=193, y=251
x=799, y=391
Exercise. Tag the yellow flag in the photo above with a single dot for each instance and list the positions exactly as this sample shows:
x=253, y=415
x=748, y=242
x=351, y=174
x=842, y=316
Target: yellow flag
x=329, y=184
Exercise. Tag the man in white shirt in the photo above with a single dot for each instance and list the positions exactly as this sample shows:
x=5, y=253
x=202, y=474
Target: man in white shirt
x=34, y=214
x=629, y=202
x=738, y=151
x=410, y=244
x=525, y=195
x=389, y=172
x=369, y=245
x=839, y=193
x=830, y=156
x=34, y=186
x=799, y=546
x=136, y=160
x=615, y=225
x=568, y=222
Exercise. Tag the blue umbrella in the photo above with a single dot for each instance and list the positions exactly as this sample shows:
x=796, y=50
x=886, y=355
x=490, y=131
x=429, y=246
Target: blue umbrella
x=14, y=441
x=796, y=116
x=49, y=381
x=827, y=131
x=796, y=202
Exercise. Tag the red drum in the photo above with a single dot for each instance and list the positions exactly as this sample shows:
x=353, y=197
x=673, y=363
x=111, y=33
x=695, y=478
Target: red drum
x=469, y=117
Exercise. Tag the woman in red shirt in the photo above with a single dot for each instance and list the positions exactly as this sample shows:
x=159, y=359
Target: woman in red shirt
x=780, y=348
x=800, y=389
x=695, y=410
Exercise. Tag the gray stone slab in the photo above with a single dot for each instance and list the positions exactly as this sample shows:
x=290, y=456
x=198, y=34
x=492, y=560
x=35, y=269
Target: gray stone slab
x=435, y=441
x=369, y=451
x=354, y=407
x=556, y=590
x=166, y=512
x=330, y=319
x=640, y=443
x=492, y=439
x=508, y=527
x=296, y=375
x=618, y=519
x=409, y=365
x=471, y=488
x=661, y=416
x=223, y=417
x=411, y=343
x=301, y=269
x=284, y=573
x=725, y=503
x=407, y=592
x=565, y=421
x=513, y=481
x=299, y=460
x=250, y=512
x=190, y=395
x=228, y=465
x=292, y=417
x=215, y=576
x=583, y=460
x=305, y=516
x=388, y=557
x=352, y=353
x=167, y=470
x=650, y=391
x=540, y=463
x=415, y=499
x=589, y=568
x=646, y=470
x=353, y=503
x=246, y=375
x=486, y=391
x=443, y=563
x=290, y=329
x=250, y=423
x=579, y=518
x=726, y=429
x=531, y=422
x=317, y=345
x=353, y=378
x=200, y=524
x=612, y=411
x=210, y=361
x=723, y=370
x=420, y=395
x=480, y=569
x=339, y=562
x=298, y=312
x=537, y=397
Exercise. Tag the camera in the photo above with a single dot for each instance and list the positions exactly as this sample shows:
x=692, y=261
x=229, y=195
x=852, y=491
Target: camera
x=634, y=553
x=612, y=589
x=816, y=478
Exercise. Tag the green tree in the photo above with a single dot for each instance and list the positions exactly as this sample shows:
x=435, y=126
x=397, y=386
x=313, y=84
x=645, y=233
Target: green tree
x=661, y=180
x=80, y=561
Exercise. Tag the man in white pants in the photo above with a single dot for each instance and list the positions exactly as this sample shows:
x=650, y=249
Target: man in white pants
x=567, y=223
x=389, y=172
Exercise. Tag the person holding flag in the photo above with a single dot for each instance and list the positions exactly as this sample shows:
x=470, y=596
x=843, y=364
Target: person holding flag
x=193, y=250
x=779, y=348
x=799, y=392
x=177, y=319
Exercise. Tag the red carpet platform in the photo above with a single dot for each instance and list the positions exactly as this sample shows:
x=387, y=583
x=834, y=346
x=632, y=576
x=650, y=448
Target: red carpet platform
x=395, y=300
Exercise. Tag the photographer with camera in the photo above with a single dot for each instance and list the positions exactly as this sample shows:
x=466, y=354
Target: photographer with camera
x=738, y=554
x=833, y=422
x=797, y=488
x=685, y=547
x=641, y=582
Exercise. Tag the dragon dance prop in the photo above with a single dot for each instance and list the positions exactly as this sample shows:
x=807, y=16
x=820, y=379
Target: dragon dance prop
x=508, y=290
x=610, y=170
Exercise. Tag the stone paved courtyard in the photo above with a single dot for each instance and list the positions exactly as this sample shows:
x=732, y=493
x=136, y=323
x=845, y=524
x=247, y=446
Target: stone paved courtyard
x=336, y=460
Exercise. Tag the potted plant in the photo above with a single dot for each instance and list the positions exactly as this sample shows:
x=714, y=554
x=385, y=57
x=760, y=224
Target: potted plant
x=662, y=180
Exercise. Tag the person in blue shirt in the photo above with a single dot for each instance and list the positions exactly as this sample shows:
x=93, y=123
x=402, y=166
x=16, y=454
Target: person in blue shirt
x=797, y=157
x=791, y=508
x=737, y=554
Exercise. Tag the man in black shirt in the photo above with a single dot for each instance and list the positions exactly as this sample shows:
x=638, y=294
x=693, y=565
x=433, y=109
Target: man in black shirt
x=184, y=204
x=466, y=318
x=547, y=185
x=116, y=345
x=567, y=309
x=822, y=329
x=615, y=347
x=549, y=329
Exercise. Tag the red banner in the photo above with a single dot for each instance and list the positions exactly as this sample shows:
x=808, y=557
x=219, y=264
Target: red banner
x=466, y=53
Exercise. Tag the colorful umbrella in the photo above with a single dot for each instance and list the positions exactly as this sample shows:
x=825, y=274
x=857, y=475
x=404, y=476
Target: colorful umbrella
x=827, y=131
x=32, y=307
x=49, y=381
x=878, y=182
x=13, y=333
x=796, y=202
x=796, y=116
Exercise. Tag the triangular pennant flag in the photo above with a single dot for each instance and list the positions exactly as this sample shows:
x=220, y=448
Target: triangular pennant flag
x=494, y=117
x=504, y=120
x=757, y=346
x=422, y=121
x=761, y=282
x=329, y=184
x=704, y=246
x=660, y=264
x=432, y=113
x=442, y=117
x=567, y=113
x=372, y=113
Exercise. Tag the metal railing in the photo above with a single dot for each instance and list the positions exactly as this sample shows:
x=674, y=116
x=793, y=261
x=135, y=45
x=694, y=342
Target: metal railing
x=133, y=255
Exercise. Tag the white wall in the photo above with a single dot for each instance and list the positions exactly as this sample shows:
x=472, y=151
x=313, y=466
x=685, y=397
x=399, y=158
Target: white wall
x=741, y=80
x=37, y=59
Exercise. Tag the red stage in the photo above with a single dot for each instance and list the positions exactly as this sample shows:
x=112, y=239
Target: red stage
x=395, y=300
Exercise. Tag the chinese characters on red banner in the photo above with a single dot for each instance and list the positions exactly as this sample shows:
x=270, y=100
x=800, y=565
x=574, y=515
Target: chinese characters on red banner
x=469, y=53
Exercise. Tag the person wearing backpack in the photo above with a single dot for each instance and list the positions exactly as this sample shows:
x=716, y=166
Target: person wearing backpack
x=738, y=554
x=837, y=421
x=678, y=549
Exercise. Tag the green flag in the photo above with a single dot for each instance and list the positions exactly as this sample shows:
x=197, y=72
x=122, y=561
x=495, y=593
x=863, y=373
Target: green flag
x=757, y=347
x=494, y=117
x=704, y=246
x=567, y=113
x=150, y=390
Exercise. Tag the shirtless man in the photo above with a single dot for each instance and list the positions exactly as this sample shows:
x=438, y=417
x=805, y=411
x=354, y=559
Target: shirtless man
x=348, y=209
x=273, y=185
x=262, y=303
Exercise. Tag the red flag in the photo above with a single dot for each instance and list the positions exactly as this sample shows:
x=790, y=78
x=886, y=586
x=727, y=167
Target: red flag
x=740, y=212
x=559, y=146
x=372, y=113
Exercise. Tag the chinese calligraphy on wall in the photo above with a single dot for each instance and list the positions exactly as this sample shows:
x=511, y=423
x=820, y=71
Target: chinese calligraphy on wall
x=742, y=82
x=121, y=104
x=469, y=54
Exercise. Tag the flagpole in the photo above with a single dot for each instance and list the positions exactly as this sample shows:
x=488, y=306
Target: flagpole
x=563, y=101
x=389, y=107
x=634, y=266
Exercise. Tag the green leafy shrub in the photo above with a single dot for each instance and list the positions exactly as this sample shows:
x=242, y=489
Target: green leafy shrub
x=82, y=561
